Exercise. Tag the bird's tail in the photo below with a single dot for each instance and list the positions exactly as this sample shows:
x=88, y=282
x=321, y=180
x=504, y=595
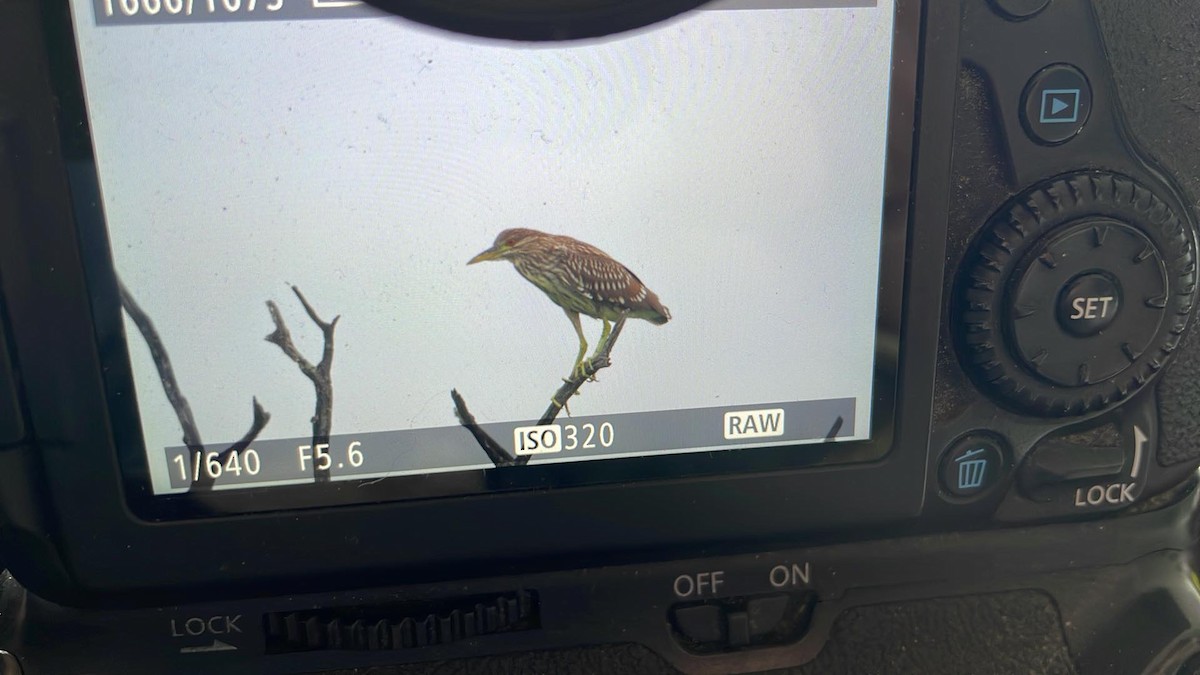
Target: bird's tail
x=661, y=314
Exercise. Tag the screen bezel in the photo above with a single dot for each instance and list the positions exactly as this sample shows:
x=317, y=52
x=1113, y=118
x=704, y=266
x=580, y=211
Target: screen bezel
x=74, y=538
x=126, y=429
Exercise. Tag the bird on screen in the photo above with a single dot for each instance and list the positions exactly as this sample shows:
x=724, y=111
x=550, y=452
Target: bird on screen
x=578, y=277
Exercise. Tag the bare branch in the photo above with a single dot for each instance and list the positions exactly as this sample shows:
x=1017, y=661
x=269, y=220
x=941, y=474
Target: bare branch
x=320, y=374
x=835, y=429
x=261, y=417
x=326, y=330
x=494, y=450
x=183, y=411
x=282, y=338
x=166, y=373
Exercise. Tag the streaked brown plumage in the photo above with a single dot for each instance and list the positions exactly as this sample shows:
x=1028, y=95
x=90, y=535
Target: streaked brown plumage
x=578, y=277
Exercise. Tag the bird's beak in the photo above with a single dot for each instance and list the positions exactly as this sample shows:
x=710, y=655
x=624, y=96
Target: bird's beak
x=492, y=253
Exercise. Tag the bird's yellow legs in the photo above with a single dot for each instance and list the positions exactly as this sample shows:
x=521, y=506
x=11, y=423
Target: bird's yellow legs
x=603, y=337
x=579, y=369
x=574, y=317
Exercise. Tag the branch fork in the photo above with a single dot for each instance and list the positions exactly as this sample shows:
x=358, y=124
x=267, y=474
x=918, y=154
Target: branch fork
x=500, y=455
x=319, y=374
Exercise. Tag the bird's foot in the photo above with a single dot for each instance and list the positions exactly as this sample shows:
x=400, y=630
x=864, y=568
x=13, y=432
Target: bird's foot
x=571, y=380
x=580, y=371
x=565, y=406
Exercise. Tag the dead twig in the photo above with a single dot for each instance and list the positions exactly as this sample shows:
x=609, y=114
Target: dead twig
x=320, y=374
x=496, y=452
x=835, y=429
x=261, y=417
x=166, y=373
x=179, y=403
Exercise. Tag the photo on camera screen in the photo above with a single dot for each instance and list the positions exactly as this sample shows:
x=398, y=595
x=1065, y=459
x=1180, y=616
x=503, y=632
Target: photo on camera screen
x=325, y=220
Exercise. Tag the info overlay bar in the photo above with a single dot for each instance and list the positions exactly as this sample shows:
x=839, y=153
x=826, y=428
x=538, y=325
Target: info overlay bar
x=153, y=12
x=441, y=449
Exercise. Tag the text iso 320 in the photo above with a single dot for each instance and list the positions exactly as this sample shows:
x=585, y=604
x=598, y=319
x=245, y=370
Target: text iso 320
x=131, y=8
x=549, y=438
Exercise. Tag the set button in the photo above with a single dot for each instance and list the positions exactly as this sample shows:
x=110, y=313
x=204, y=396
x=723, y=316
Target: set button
x=1089, y=303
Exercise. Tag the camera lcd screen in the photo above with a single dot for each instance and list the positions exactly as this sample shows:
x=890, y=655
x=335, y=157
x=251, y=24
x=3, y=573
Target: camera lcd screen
x=325, y=220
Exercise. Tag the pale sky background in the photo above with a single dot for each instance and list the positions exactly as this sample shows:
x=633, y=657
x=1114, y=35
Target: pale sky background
x=733, y=160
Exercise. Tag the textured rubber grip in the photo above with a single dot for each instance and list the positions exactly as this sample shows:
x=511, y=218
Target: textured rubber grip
x=1154, y=49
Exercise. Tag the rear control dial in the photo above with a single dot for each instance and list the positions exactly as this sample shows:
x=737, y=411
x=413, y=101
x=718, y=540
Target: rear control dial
x=1075, y=295
x=1069, y=319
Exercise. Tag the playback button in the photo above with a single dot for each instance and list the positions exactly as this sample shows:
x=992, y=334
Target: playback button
x=1056, y=104
x=971, y=466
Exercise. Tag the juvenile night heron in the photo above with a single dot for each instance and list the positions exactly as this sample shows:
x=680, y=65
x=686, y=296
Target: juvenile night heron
x=578, y=277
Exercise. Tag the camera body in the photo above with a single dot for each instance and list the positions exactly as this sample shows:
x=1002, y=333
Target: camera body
x=1031, y=509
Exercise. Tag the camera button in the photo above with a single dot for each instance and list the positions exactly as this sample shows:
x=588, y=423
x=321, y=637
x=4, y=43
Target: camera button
x=9, y=664
x=1057, y=103
x=1088, y=304
x=1017, y=10
x=971, y=466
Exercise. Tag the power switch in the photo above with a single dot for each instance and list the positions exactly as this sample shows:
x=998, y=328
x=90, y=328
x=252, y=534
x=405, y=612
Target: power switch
x=766, y=613
x=739, y=629
x=700, y=624
x=737, y=623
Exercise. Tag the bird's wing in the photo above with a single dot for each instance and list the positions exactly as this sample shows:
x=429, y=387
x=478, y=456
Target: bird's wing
x=603, y=278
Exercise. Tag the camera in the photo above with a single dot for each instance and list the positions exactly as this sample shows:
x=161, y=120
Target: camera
x=833, y=335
